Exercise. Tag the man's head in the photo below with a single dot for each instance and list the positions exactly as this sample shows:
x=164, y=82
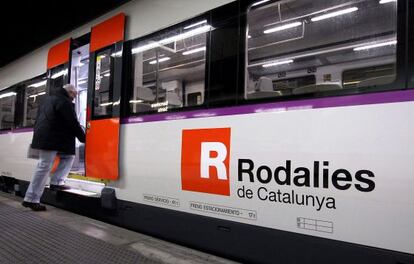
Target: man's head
x=71, y=89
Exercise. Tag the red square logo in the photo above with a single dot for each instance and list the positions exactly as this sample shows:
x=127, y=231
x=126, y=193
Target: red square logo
x=205, y=159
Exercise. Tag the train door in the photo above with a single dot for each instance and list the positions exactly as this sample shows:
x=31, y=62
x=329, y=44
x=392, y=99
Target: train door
x=103, y=100
x=79, y=78
x=58, y=63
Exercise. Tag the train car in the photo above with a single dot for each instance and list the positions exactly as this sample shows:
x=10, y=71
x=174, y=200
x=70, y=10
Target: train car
x=262, y=131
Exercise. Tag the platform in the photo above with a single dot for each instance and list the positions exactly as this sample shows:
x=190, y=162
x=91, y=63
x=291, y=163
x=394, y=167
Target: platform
x=58, y=236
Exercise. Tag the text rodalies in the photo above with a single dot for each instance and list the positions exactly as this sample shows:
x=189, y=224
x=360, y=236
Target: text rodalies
x=320, y=176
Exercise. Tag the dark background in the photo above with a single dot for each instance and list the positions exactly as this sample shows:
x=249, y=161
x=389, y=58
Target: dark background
x=28, y=25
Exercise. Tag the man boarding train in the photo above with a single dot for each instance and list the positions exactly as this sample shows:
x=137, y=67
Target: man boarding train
x=54, y=135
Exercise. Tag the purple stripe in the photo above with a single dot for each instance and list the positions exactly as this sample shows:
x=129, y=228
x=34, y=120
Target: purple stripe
x=17, y=130
x=350, y=100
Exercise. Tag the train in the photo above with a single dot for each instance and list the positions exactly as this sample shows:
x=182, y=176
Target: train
x=273, y=131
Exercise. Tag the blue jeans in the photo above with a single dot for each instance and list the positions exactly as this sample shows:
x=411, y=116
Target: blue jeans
x=46, y=159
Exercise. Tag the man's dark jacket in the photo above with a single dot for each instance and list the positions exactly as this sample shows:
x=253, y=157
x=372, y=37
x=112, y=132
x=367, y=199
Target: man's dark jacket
x=56, y=124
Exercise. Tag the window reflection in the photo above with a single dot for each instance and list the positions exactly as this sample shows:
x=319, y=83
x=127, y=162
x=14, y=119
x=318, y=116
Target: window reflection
x=325, y=39
x=7, y=109
x=34, y=95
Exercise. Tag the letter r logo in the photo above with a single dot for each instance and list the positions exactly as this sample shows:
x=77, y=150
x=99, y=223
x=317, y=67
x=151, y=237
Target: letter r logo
x=205, y=158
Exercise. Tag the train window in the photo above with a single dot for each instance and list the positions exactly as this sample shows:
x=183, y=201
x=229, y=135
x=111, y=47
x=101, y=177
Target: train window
x=7, y=108
x=328, y=39
x=169, y=69
x=35, y=92
x=103, y=97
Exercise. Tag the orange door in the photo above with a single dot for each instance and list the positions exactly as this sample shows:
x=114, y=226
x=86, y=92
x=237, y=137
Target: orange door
x=102, y=145
x=103, y=110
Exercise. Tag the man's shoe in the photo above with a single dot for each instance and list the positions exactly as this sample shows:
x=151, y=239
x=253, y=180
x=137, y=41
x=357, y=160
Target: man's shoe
x=54, y=187
x=34, y=206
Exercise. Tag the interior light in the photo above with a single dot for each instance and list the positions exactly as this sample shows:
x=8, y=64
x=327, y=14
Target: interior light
x=175, y=38
x=319, y=52
x=283, y=27
x=160, y=60
x=260, y=2
x=58, y=74
x=349, y=83
x=276, y=63
x=334, y=14
x=107, y=74
x=38, y=94
x=188, y=52
x=106, y=104
x=82, y=82
x=145, y=47
x=185, y=35
x=196, y=24
x=7, y=94
x=386, y=1
x=38, y=84
x=135, y=101
x=375, y=45
x=248, y=36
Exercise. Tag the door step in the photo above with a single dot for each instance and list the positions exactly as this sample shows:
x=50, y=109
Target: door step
x=83, y=188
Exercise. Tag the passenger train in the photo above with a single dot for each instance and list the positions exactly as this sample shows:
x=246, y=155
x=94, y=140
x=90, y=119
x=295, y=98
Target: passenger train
x=274, y=131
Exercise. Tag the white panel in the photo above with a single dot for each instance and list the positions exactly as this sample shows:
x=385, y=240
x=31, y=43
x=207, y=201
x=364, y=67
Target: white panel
x=26, y=67
x=377, y=138
x=167, y=12
x=13, y=162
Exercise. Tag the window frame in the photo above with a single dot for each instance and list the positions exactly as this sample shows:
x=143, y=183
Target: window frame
x=129, y=74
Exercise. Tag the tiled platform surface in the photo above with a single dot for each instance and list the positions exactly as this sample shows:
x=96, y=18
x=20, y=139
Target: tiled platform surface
x=58, y=236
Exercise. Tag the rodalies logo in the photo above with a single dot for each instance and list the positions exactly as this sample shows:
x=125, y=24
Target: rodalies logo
x=205, y=158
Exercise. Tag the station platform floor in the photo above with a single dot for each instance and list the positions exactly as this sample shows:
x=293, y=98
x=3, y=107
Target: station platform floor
x=58, y=236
